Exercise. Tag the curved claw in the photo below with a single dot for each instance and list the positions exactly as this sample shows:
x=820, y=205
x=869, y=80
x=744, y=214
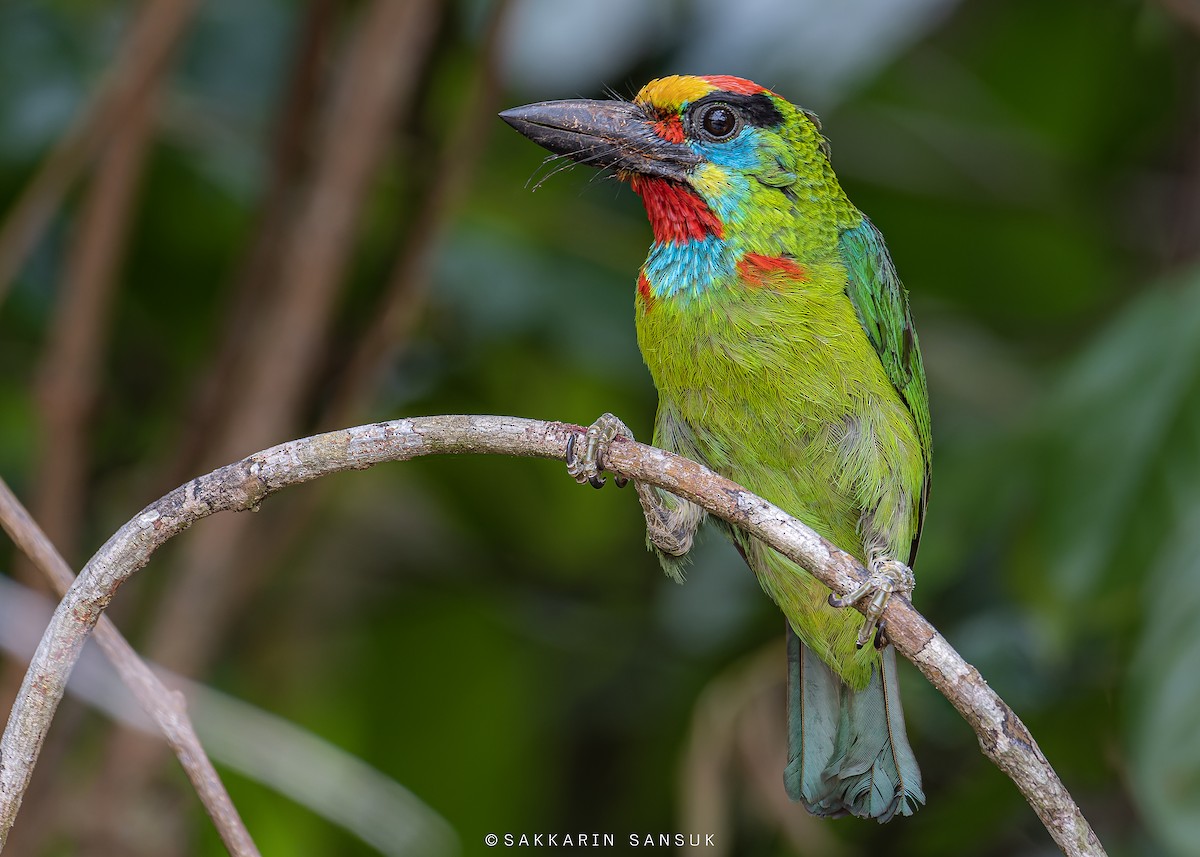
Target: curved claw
x=881, y=640
x=588, y=466
x=619, y=481
x=597, y=448
x=853, y=598
x=887, y=577
x=576, y=467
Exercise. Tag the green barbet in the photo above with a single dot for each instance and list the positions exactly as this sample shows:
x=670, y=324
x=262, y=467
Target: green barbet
x=779, y=337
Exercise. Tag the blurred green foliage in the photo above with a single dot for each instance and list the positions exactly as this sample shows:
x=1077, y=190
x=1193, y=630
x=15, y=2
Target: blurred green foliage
x=496, y=638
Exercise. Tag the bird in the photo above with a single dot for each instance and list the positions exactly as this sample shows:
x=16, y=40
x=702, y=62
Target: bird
x=780, y=340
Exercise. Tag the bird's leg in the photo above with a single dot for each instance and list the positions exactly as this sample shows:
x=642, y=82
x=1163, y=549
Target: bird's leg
x=885, y=577
x=671, y=522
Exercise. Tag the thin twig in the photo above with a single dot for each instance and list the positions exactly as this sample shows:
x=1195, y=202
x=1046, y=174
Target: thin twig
x=378, y=80
x=280, y=755
x=306, y=254
x=245, y=484
x=402, y=301
x=257, y=287
x=70, y=369
x=131, y=759
x=400, y=305
x=142, y=57
x=166, y=708
x=121, y=127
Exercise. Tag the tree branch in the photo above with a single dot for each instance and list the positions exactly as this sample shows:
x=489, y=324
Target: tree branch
x=166, y=708
x=256, y=287
x=245, y=484
x=402, y=302
x=70, y=372
x=378, y=81
x=276, y=753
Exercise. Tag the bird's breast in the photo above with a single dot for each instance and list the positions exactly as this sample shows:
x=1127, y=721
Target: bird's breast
x=737, y=325
x=783, y=357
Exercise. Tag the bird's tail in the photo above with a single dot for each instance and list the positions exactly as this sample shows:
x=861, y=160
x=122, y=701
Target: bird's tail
x=847, y=749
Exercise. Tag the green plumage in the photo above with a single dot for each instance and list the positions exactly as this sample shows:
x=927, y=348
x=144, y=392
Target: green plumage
x=779, y=338
x=780, y=390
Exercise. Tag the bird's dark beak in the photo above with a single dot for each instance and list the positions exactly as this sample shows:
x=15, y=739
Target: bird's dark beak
x=603, y=134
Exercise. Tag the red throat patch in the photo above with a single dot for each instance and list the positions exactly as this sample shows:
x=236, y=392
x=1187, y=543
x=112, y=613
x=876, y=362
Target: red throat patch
x=676, y=214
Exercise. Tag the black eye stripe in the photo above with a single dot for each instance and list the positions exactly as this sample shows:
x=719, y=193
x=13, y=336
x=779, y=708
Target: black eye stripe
x=754, y=109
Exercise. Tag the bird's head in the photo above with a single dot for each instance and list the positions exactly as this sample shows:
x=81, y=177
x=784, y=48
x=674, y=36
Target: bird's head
x=709, y=155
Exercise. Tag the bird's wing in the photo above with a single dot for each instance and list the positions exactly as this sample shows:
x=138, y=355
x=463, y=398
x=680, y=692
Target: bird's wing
x=882, y=306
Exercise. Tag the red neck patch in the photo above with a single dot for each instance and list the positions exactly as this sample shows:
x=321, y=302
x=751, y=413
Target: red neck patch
x=676, y=214
x=645, y=292
x=762, y=271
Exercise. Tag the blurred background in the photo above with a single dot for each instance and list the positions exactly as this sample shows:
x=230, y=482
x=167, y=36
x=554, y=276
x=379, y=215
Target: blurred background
x=229, y=223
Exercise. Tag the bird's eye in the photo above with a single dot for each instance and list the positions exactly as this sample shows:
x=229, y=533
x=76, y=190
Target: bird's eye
x=718, y=122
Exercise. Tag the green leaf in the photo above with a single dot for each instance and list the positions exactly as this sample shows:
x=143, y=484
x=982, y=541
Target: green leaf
x=1164, y=698
x=1120, y=446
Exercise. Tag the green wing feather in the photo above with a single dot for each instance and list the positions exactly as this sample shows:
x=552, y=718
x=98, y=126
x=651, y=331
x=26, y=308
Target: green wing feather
x=881, y=302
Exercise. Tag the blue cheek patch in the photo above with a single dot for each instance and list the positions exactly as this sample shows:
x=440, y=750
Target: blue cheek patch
x=739, y=155
x=730, y=164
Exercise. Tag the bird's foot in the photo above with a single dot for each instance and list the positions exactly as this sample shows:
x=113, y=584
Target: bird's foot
x=887, y=576
x=588, y=465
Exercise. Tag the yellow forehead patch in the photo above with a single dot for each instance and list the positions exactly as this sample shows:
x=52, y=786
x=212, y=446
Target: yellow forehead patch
x=671, y=92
